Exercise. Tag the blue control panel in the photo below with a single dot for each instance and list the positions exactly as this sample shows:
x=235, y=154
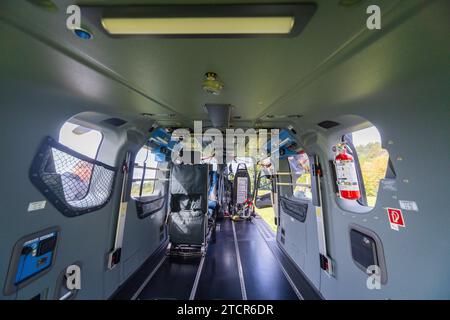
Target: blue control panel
x=161, y=137
x=36, y=256
x=287, y=144
x=163, y=144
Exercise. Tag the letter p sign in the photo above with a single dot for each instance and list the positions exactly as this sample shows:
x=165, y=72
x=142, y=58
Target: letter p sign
x=73, y=275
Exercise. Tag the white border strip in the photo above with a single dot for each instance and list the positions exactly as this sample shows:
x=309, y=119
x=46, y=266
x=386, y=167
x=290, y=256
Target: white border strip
x=288, y=278
x=138, y=292
x=238, y=258
x=197, y=279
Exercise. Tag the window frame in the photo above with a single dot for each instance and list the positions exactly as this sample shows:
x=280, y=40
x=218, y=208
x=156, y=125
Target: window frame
x=92, y=129
x=361, y=205
x=66, y=207
x=142, y=178
x=259, y=176
x=102, y=137
x=295, y=184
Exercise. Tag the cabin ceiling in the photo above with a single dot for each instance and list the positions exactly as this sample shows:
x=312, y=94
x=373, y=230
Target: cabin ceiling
x=261, y=75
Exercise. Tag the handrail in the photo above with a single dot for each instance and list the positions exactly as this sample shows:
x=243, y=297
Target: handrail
x=293, y=184
x=150, y=168
x=150, y=179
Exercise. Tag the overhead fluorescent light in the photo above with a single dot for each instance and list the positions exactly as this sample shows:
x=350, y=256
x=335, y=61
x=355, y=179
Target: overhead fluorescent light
x=202, y=21
x=198, y=25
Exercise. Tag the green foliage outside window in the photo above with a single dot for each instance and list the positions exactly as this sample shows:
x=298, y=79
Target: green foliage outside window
x=373, y=161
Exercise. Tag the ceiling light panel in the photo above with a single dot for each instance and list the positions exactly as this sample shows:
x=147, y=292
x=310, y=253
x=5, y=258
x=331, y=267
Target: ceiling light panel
x=200, y=26
x=203, y=21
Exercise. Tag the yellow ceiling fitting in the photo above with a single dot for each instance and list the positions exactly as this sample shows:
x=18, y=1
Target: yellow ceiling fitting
x=212, y=84
x=199, y=26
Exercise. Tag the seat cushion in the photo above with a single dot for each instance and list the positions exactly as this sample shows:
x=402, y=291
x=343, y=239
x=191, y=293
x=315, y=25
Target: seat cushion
x=181, y=202
x=187, y=227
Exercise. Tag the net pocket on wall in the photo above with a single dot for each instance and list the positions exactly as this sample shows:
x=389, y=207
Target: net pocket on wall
x=72, y=182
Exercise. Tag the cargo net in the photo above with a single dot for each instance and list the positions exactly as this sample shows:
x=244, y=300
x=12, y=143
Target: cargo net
x=73, y=183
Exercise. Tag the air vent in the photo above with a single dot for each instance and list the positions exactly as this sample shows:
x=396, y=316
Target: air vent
x=327, y=124
x=159, y=115
x=219, y=114
x=116, y=122
x=282, y=116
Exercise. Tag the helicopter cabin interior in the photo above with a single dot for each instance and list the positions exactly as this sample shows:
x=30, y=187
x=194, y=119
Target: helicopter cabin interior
x=224, y=150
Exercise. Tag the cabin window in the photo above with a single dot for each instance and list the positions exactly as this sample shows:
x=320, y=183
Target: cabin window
x=263, y=200
x=80, y=139
x=149, y=174
x=371, y=161
x=68, y=174
x=301, y=176
x=76, y=174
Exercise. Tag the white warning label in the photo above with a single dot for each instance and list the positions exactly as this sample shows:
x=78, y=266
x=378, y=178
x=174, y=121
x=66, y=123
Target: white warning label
x=242, y=188
x=39, y=205
x=345, y=170
x=408, y=205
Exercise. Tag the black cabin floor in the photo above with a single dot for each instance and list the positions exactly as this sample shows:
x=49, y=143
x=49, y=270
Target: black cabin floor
x=265, y=274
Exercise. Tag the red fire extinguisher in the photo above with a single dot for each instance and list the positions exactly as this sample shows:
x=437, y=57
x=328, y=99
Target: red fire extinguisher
x=347, y=178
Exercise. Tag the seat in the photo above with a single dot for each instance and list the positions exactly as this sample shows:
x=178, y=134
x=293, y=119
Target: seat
x=242, y=192
x=188, y=212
